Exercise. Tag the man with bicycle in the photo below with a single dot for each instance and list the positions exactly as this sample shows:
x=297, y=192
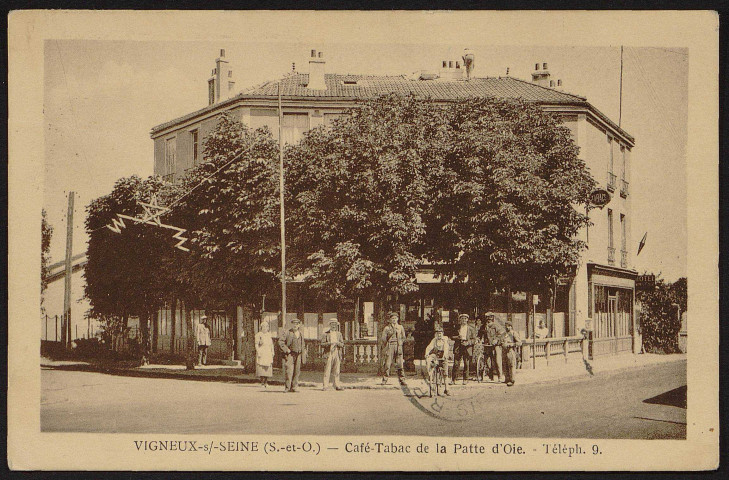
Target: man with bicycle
x=437, y=353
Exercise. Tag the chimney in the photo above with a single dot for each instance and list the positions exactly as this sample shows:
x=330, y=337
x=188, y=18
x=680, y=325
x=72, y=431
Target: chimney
x=541, y=77
x=316, y=71
x=221, y=84
x=468, y=62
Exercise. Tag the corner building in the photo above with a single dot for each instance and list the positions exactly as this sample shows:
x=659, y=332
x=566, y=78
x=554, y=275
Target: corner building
x=598, y=298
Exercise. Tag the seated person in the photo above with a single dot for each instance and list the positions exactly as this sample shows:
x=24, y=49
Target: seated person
x=436, y=352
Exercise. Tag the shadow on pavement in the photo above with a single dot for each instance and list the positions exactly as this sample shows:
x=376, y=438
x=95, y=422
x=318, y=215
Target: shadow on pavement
x=672, y=398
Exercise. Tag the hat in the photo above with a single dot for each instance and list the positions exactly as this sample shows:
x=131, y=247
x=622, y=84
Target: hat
x=333, y=321
x=204, y=317
x=295, y=320
x=489, y=315
x=463, y=315
x=394, y=314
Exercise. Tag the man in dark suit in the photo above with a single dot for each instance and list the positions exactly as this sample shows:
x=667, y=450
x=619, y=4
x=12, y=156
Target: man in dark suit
x=463, y=348
x=293, y=347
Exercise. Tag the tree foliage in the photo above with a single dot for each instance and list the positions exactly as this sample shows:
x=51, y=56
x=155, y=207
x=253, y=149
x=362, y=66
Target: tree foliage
x=123, y=270
x=231, y=217
x=485, y=189
x=660, y=310
x=46, y=235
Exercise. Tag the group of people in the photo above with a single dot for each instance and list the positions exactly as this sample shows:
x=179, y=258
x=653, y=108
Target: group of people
x=500, y=351
x=293, y=347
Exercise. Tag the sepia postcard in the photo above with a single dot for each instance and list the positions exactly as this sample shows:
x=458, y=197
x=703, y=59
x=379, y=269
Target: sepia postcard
x=363, y=241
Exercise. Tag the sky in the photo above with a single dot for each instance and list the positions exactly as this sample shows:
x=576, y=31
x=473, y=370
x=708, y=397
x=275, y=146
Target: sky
x=101, y=98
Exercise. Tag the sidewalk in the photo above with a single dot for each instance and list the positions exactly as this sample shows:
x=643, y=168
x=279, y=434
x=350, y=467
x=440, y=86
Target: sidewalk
x=556, y=372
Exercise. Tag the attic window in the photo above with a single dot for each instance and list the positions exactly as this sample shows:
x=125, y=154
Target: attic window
x=349, y=82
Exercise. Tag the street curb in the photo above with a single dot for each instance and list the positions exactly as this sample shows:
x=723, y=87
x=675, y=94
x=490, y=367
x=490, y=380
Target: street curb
x=144, y=373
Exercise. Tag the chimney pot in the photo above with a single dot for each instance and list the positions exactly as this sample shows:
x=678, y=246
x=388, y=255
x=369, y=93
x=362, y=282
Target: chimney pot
x=551, y=83
x=222, y=52
x=321, y=54
x=445, y=64
x=313, y=54
x=450, y=64
x=559, y=82
x=544, y=66
x=458, y=64
x=536, y=66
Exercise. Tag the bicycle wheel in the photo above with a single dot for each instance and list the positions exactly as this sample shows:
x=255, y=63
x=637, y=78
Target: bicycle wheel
x=436, y=379
x=479, y=369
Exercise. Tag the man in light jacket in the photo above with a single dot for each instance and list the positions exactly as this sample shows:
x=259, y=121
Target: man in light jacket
x=393, y=336
x=202, y=336
x=333, y=345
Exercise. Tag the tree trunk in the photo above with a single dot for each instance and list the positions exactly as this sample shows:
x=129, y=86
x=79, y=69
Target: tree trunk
x=248, y=324
x=144, y=329
x=154, y=320
x=173, y=327
x=191, y=354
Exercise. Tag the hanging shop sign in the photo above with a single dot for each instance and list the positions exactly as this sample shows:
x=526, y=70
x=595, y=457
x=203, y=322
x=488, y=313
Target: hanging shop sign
x=599, y=198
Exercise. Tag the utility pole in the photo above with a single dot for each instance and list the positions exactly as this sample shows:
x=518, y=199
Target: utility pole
x=66, y=333
x=283, y=218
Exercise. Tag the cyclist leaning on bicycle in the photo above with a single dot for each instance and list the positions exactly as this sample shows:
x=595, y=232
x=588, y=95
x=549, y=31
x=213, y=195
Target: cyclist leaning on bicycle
x=437, y=353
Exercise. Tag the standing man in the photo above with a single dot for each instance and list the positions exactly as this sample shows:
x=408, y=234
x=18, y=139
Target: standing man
x=393, y=336
x=333, y=344
x=202, y=336
x=463, y=348
x=494, y=336
x=511, y=342
x=293, y=347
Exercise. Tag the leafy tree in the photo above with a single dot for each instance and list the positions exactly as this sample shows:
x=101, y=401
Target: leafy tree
x=504, y=213
x=660, y=310
x=230, y=208
x=46, y=234
x=484, y=189
x=357, y=194
x=123, y=273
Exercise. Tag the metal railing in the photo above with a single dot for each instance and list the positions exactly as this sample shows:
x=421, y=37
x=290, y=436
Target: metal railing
x=611, y=256
x=624, y=188
x=612, y=181
x=624, y=258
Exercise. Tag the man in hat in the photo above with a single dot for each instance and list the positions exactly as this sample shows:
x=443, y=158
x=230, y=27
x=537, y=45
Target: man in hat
x=511, y=342
x=393, y=336
x=293, y=347
x=463, y=348
x=202, y=336
x=333, y=344
x=438, y=351
x=494, y=353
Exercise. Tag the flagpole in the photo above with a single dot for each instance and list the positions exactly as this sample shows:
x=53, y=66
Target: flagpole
x=281, y=201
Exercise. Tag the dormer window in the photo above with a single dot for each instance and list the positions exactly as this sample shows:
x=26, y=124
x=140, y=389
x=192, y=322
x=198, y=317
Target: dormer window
x=349, y=82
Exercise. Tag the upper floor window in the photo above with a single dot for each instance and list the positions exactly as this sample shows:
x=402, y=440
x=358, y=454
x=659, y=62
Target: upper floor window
x=211, y=91
x=194, y=143
x=294, y=126
x=170, y=155
x=624, y=162
x=610, y=228
x=611, y=158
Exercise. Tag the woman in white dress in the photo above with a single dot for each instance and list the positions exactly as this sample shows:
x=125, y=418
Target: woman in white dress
x=264, y=354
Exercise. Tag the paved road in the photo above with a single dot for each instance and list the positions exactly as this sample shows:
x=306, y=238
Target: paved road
x=641, y=403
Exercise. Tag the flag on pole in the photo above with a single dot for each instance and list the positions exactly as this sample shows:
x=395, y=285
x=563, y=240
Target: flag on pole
x=642, y=243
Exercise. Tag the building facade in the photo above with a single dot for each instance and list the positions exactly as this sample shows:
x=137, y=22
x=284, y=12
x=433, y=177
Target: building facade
x=599, y=298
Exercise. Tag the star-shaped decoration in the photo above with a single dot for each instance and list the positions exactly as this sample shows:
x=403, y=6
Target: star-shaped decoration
x=152, y=211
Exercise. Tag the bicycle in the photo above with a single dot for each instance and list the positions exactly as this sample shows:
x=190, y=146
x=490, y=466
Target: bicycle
x=438, y=377
x=478, y=355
